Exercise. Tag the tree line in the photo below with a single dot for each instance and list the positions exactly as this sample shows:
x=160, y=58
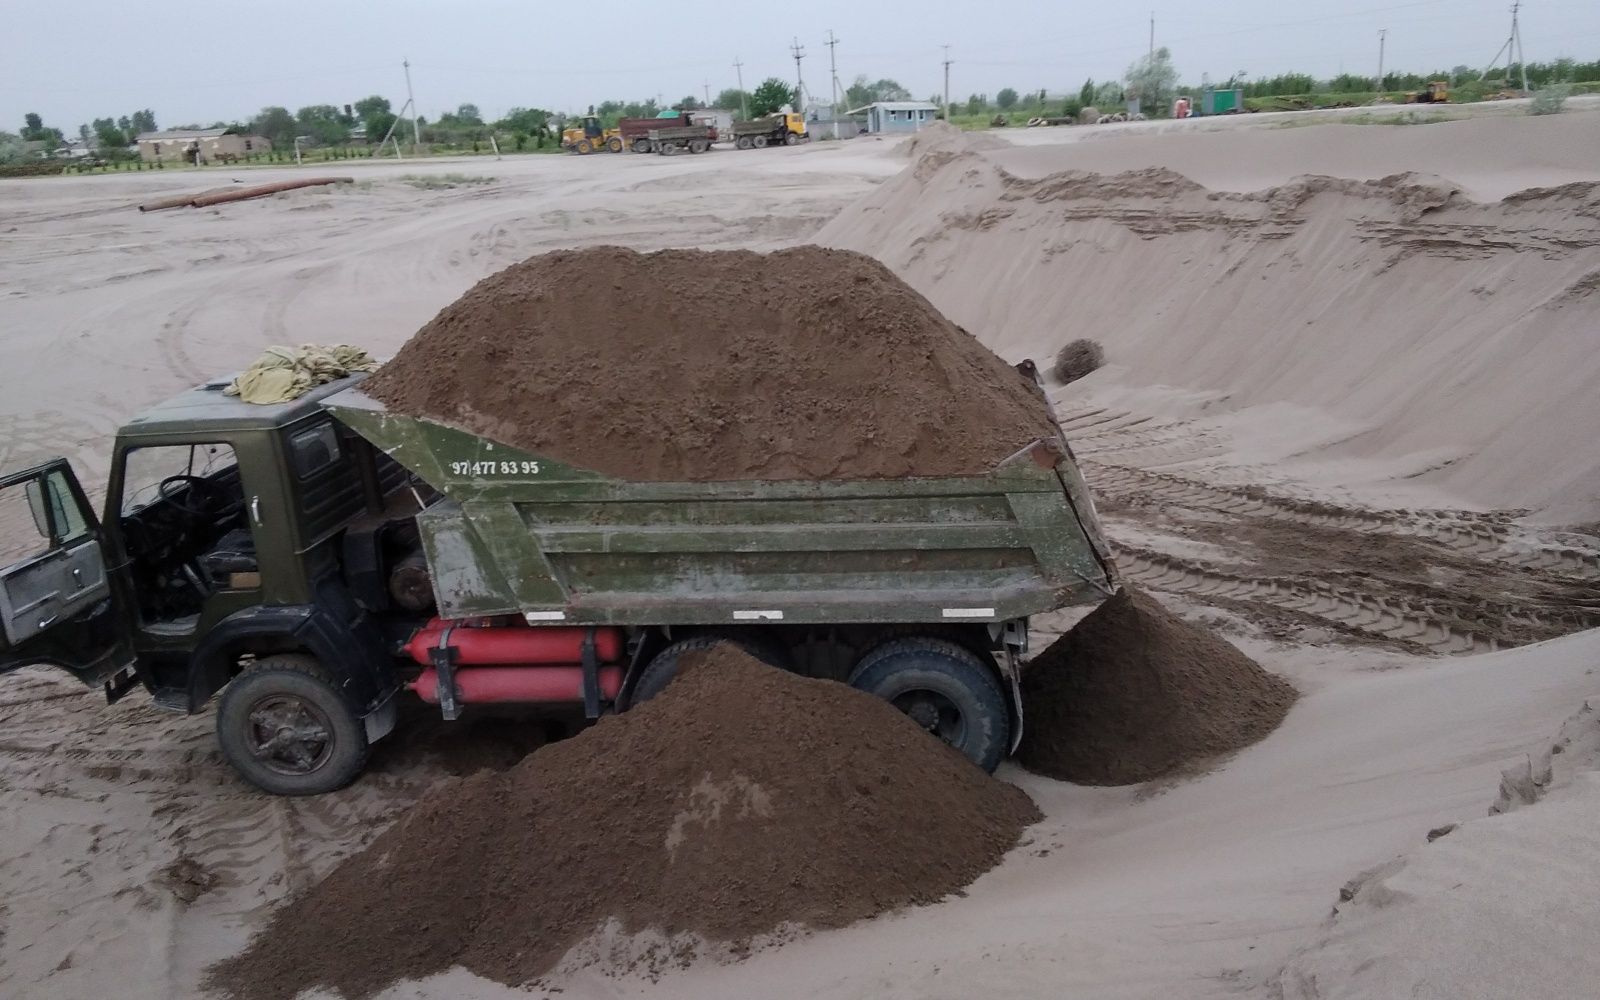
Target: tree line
x=1152, y=79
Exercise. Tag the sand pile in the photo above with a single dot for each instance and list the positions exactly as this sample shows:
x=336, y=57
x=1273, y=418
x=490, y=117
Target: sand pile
x=712, y=365
x=942, y=137
x=1387, y=313
x=738, y=801
x=1133, y=693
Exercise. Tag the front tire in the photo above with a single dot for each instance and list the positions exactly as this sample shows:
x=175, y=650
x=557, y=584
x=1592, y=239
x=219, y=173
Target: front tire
x=945, y=688
x=614, y=145
x=286, y=729
x=584, y=147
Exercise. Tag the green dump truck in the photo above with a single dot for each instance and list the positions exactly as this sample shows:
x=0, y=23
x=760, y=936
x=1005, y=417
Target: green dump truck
x=316, y=561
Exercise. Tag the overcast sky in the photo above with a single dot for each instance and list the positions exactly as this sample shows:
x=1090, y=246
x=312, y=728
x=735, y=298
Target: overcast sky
x=193, y=61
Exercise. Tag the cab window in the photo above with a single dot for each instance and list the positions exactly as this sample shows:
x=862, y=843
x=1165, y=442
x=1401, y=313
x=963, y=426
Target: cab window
x=65, y=513
x=147, y=467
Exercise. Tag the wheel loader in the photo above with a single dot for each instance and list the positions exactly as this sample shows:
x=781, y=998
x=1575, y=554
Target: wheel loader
x=591, y=137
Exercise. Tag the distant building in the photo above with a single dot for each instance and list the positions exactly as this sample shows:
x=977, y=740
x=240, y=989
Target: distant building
x=896, y=116
x=213, y=144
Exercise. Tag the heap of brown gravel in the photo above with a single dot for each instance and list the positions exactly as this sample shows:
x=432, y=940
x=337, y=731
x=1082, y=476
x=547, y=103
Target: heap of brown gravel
x=678, y=365
x=741, y=799
x=1134, y=692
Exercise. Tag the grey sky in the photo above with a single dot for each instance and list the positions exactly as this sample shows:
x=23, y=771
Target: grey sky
x=221, y=59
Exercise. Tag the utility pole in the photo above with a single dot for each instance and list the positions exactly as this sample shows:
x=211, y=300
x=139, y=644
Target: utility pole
x=1152, y=38
x=744, y=105
x=416, y=130
x=1383, y=34
x=833, y=69
x=1512, y=49
x=707, y=85
x=799, y=82
x=947, y=83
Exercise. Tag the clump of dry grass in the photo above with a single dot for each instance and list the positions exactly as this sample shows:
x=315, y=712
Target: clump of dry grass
x=1077, y=359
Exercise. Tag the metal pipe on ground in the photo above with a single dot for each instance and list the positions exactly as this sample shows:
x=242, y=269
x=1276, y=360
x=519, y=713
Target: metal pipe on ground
x=219, y=196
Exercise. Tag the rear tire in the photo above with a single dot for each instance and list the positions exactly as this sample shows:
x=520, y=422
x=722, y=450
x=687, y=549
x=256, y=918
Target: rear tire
x=286, y=729
x=759, y=142
x=663, y=667
x=945, y=688
x=743, y=142
x=641, y=145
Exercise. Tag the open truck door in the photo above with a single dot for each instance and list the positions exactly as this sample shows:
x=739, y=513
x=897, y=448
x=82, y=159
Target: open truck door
x=56, y=600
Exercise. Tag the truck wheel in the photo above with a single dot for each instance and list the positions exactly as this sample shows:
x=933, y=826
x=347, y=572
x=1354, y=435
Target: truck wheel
x=641, y=145
x=759, y=142
x=614, y=145
x=658, y=673
x=944, y=688
x=743, y=142
x=791, y=139
x=285, y=728
x=585, y=146
x=699, y=145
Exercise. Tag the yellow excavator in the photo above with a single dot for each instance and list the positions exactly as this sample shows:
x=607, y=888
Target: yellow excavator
x=591, y=137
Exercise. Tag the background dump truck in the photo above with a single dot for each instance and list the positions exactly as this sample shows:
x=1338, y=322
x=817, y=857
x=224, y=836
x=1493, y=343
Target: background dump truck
x=679, y=138
x=317, y=560
x=635, y=132
x=782, y=129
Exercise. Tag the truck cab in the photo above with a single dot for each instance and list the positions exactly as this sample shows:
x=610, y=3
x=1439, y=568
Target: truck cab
x=225, y=545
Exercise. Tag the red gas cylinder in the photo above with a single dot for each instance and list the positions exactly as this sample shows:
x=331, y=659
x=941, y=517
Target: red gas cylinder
x=529, y=685
x=523, y=645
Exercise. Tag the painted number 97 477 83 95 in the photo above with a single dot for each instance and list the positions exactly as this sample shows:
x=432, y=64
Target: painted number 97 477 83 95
x=494, y=468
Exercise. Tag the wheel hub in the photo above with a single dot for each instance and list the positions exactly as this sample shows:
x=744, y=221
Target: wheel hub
x=289, y=735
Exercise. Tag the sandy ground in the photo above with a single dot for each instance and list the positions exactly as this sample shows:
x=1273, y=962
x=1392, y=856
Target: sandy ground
x=1338, y=502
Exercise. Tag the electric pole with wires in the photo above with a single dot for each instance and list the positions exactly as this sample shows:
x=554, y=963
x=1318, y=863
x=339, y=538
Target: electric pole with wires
x=744, y=99
x=833, y=69
x=799, y=82
x=947, y=83
x=1512, y=49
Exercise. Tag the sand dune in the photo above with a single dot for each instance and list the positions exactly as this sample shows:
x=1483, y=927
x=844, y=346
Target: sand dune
x=1403, y=332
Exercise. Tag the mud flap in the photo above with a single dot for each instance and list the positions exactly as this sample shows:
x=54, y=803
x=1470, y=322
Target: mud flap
x=380, y=722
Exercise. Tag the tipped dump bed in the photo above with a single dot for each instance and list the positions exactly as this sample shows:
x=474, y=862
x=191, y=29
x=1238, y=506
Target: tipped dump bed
x=517, y=532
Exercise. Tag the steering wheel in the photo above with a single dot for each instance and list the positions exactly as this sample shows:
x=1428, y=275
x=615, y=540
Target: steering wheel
x=203, y=499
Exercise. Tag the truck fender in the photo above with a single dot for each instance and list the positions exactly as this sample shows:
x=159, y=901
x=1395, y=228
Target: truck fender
x=353, y=654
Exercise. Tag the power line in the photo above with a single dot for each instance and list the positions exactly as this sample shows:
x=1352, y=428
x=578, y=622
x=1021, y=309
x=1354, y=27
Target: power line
x=1511, y=49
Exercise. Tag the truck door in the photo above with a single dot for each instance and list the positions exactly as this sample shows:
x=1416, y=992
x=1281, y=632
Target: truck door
x=56, y=603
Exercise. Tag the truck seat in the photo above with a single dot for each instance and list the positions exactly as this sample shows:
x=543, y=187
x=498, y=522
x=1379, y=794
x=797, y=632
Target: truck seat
x=235, y=552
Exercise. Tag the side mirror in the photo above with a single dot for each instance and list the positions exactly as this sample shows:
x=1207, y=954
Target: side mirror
x=36, y=506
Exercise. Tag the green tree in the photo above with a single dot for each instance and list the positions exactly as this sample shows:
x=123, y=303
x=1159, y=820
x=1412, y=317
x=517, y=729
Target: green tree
x=1007, y=99
x=142, y=121
x=32, y=125
x=276, y=124
x=1153, y=80
x=1107, y=96
x=468, y=114
x=862, y=92
x=770, y=96
x=976, y=104
x=688, y=104
x=12, y=149
x=732, y=99
x=527, y=120
x=324, y=123
x=1086, y=92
